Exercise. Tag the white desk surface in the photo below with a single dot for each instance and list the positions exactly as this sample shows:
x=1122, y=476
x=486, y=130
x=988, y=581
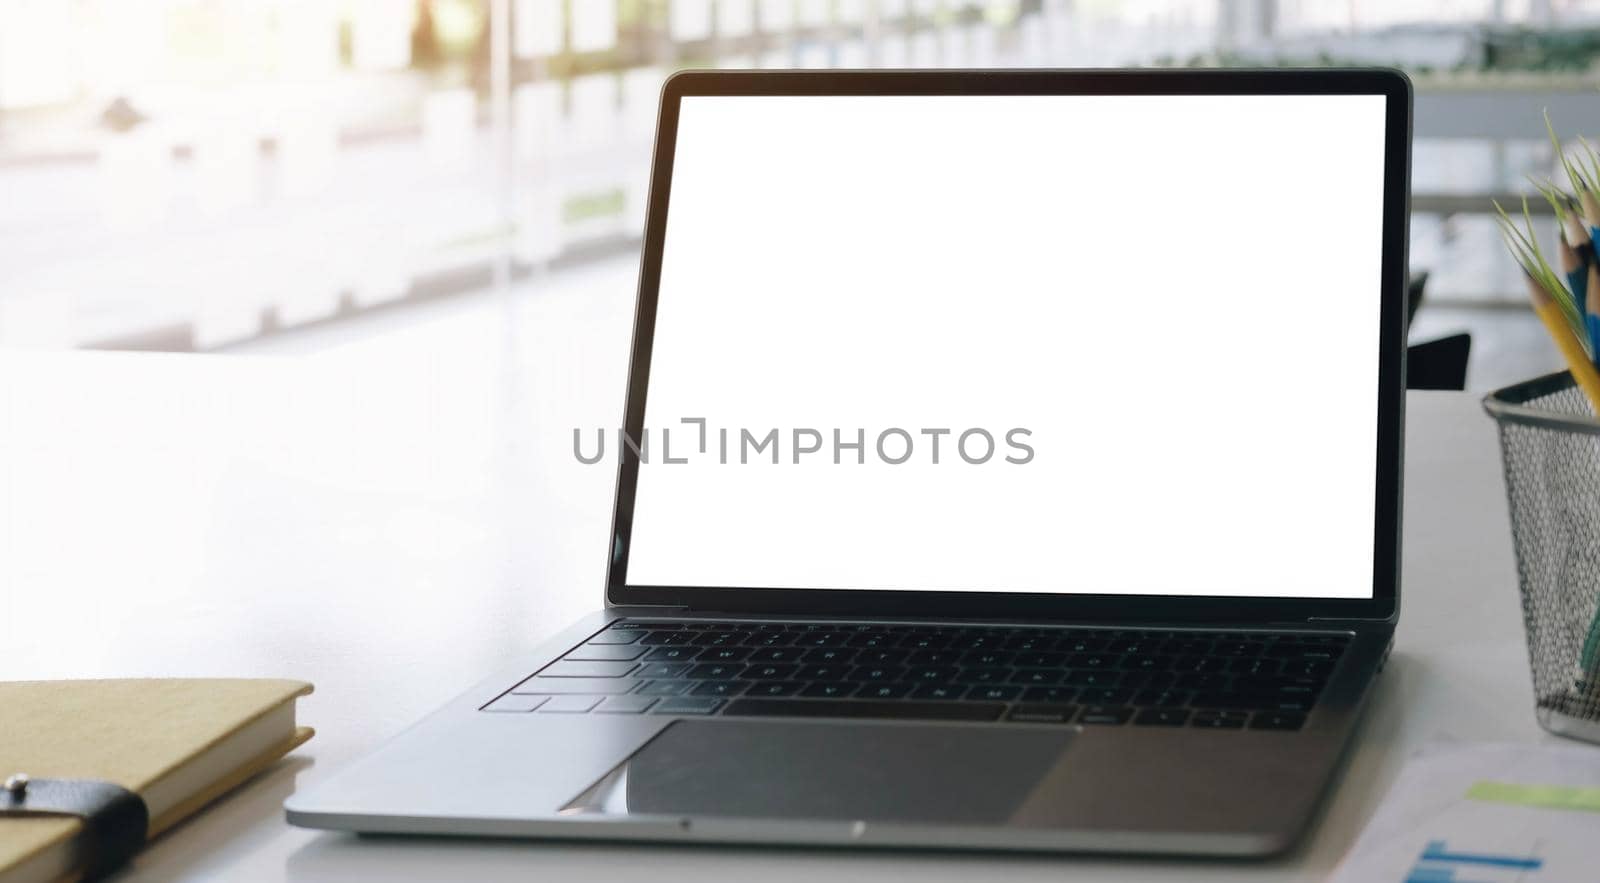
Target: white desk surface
x=392, y=522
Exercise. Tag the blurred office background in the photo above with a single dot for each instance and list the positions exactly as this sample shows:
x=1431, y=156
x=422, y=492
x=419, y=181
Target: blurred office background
x=271, y=175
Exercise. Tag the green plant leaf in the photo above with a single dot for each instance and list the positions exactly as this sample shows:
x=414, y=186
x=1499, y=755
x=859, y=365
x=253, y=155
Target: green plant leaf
x=1573, y=174
x=1524, y=246
x=1558, y=201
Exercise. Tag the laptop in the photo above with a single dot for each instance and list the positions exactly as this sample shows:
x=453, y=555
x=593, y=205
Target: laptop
x=1012, y=461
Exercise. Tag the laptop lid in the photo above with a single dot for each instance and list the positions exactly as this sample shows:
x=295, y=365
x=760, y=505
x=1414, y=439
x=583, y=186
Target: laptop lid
x=1019, y=345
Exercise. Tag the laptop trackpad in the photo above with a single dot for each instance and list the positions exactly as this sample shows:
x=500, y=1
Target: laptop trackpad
x=829, y=770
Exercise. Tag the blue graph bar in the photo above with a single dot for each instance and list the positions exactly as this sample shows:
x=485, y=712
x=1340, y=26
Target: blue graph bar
x=1421, y=874
x=1436, y=852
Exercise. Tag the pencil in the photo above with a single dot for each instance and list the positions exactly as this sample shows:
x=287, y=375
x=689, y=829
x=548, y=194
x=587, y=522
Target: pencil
x=1578, y=236
x=1591, y=312
x=1573, y=266
x=1583, y=370
x=1591, y=211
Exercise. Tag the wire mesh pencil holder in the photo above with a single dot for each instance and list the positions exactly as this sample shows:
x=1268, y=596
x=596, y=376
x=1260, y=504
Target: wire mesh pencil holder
x=1550, y=445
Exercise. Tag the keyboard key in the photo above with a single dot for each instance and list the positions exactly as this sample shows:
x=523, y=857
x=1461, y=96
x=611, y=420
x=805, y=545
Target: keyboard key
x=1042, y=713
x=857, y=708
x=932, y=673
x=1148, y=680
x=716, y=671
x=942, y=692
x=615, y=637
x=665, y=688
x=723, y=654
x=1278, y=720
x=720, y=688
x=1260, y=665
x=1313, y=669
x=667, y=639
x=776, y=654
x=984, y=675
x=672, y=654
x=587, y=669
x=870, y=640
x=981, y=641
x=774, y=672
x=829, y=690
x=605, y=653
x=569, y=704
x=776, y=688
x=829, y=654
x=1092, y=678
x=688, y=705
x=925, y=642
x=1259, y=701
x=877, y=673
x=1218, y=720
x=1210, y=681
x=770, y=639
x=1037, y=677
x=1105, y=714
x=1288, y=685
x=625, y=705
x=934, y=657
x=1162, y=698
x=822, y=672
x=882, y=657
x=1081, y=645
x=1029, y=643
x=1105, y=695
x=722, y=638
x=1198, y=664
x=1146, y=663
x=1093, y=660
x=1304, y=651
x=994, y=692
x=645, y=625
x=1233, y=701
x=556, y=686
x=1040, y=660
x=884, y=691
x=511, y=702
x=1057, y=695
x=988, y=659
x=823, y=639
x=664, y=670
x=1162, y=717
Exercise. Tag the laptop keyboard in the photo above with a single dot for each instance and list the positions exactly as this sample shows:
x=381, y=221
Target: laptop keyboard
x=1212, y=680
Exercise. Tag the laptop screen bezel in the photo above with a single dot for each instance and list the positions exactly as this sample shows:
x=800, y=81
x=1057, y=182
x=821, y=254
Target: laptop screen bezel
x=1012, y=606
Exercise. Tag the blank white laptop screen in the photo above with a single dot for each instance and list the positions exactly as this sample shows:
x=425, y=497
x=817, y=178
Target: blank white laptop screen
x=1161, y=311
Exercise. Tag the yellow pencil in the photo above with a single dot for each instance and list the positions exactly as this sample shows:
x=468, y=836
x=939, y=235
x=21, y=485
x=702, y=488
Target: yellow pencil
x=1560, y=330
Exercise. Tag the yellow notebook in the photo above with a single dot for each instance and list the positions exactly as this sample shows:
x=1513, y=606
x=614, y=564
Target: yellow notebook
x=178, y=743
